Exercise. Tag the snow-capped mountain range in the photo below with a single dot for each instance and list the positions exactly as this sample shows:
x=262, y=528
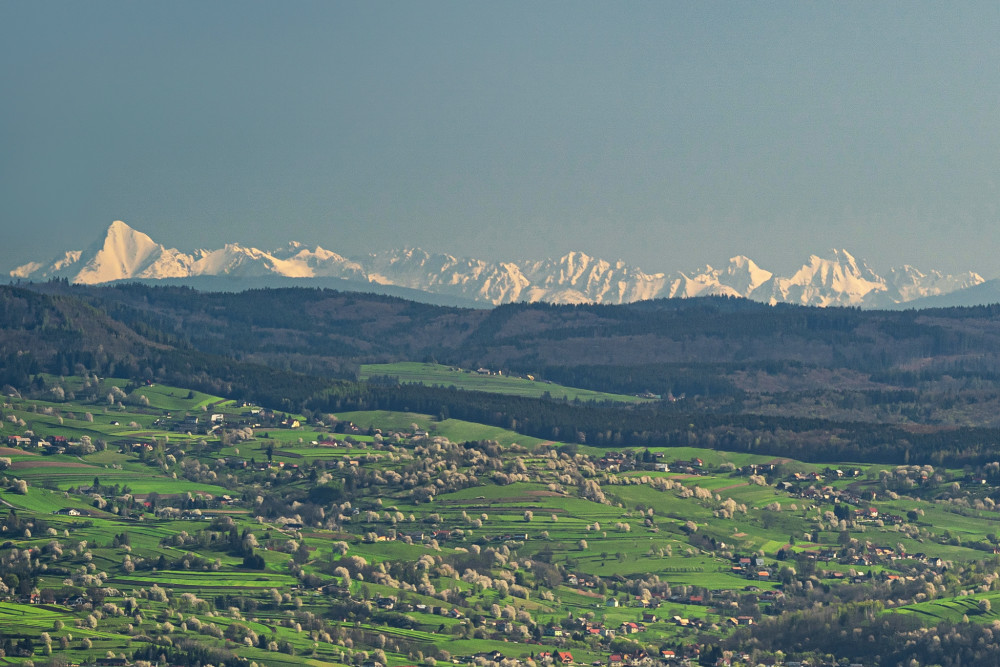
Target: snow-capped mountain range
x=837, y=279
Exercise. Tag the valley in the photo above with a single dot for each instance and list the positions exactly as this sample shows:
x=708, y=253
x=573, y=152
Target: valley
x=152, y=521
x=282, y=477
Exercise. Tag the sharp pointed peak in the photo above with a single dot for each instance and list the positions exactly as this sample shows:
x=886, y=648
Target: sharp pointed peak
x=120, y=226
x=121, y=232
x=841, y=254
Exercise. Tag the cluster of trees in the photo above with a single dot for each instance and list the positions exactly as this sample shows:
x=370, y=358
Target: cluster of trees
x=860, y=633
x=613, y=425
x=188, y=653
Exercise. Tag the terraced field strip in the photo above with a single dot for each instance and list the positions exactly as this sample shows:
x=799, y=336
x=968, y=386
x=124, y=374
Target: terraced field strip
x=403, y=633
x=953, y=609
x=209, y=580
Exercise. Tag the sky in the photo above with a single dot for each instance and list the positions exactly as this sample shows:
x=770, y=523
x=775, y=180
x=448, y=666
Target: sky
x=668, y=134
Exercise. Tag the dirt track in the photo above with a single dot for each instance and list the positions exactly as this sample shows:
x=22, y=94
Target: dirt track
x=10, y=451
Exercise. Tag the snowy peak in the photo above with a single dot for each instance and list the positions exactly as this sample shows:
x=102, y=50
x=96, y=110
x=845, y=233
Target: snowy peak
x=743, y=275
x=320, y=262
x=123, y=253
x=836, y=279
x=906, y=283
x=577, y=277
x=491, y=282
x=291, y=249
x=58, y=267
x=233, y=260
x=740, y=278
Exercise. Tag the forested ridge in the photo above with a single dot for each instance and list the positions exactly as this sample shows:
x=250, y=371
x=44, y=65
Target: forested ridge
x=814, y=384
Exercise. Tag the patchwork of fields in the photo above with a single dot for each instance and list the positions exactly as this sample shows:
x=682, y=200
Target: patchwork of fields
x=131, y=528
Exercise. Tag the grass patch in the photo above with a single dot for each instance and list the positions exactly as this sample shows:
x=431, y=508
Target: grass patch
x=436, y=375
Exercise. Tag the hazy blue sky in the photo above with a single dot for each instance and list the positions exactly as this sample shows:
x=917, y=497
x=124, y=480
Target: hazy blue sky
x=668, y=134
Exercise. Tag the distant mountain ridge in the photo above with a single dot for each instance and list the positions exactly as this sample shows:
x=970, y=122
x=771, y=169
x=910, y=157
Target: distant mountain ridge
x=575, y=278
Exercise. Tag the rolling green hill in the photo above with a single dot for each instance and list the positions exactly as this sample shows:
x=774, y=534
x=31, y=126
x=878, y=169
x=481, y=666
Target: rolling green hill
x=275, y=538
x=490, y=382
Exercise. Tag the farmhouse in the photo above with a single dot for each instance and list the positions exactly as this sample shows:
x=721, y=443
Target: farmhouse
x=71, y=511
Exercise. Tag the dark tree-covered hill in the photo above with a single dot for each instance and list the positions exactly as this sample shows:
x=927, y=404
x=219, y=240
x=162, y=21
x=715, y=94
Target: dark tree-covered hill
x=681, y=345
x=813, y=383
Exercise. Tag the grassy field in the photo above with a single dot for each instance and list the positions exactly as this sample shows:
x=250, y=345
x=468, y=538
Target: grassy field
x=174, y=399
x=449, y=376
x=455, y=430
x=953, y=609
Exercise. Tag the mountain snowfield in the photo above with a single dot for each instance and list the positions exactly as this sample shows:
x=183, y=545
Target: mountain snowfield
x=576, y=278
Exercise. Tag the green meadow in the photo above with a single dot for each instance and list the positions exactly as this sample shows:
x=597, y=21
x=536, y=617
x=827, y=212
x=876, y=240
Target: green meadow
x=488, y=523
x=470, y=380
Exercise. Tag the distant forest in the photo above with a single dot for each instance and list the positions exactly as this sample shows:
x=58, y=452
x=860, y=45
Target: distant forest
x=809, y=383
